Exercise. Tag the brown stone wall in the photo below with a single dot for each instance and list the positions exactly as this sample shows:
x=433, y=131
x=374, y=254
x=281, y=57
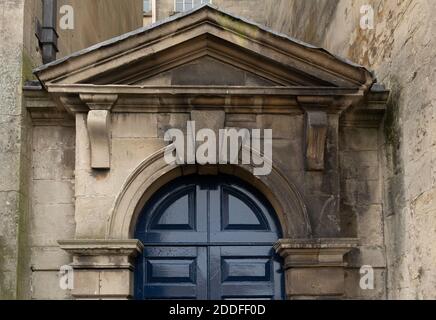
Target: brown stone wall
x=99, y=20
x=400, y=49
x=13, y=148
x=94, y=21
x=249, y=9
x=361, y=208
x=52, y=208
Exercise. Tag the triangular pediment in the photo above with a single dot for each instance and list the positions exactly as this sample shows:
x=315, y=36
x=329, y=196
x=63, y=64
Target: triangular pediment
x=205, y=46
x=205, y=71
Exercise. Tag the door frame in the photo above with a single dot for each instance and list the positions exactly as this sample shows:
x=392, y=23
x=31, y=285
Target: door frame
x=209, y=192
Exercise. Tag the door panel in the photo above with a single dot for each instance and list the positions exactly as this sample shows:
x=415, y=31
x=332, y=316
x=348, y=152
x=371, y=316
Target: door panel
x=236, y=215
x=176, y=215
x=244, y=273
x=174, y=273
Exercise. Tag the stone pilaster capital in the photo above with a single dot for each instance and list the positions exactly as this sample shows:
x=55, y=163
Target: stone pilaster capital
x=99, y=101
x=102, y=254
x=103, y=269
x=307, y=253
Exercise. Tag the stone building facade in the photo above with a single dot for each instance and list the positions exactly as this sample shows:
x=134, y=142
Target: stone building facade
x=83, y=152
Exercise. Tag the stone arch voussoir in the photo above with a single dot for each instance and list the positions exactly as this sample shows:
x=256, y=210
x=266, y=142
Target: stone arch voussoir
x=154, y=172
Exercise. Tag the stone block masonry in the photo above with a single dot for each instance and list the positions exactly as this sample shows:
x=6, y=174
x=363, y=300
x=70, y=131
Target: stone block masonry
x=400, y=49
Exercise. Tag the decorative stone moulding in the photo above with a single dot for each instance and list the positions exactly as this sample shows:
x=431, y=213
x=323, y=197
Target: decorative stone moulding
x=99, y=123
x=314, y=268
x=202, y=102
x=370, y=113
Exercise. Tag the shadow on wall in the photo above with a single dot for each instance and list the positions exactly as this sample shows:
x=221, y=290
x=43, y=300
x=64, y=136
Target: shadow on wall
x=301, y=18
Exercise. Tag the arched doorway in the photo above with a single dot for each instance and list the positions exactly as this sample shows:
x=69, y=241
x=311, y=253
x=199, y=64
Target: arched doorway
x=208, y=237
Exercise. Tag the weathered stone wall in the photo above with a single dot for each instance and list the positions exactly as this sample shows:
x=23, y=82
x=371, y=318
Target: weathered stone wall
x=94, y=21
x=305, y=20
x=52, y=208
x=24, y=221
x=400, y=49
x=98, y=20
x=132, y=142
x=14, y=157
x=361, y=209
x=249, y=9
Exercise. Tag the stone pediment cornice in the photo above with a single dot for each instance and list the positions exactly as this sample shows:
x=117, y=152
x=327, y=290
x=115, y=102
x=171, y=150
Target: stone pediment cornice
x=206, y=31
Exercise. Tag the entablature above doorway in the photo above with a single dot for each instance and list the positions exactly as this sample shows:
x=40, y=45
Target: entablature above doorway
x=233, y=99
x=316, y=103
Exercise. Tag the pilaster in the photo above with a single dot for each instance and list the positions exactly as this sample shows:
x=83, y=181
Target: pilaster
x=315, y=268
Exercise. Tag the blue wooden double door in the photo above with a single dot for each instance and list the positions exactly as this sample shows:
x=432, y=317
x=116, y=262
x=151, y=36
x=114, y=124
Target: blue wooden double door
x=208, y=238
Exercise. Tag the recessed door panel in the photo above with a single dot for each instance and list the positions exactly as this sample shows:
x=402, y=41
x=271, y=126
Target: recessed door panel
x=173, y=273
x=237, y=215
x=177, y=214
x=245, y=273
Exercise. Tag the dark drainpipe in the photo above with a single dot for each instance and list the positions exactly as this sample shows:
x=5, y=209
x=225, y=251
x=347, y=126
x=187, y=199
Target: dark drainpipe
x=46, y=33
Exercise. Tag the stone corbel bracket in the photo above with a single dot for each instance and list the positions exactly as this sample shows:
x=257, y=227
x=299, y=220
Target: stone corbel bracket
x=99, y=123
x=315, y=130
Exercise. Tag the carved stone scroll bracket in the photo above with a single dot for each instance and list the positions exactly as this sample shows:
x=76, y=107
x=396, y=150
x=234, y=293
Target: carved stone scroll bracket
x=315, y=268
x=315, y=129
x=99, y=123
x=316, y=126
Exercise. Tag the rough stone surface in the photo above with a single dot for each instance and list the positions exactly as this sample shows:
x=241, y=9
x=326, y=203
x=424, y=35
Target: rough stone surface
x=37, y=163
x=12, y=145
x=316, y=282
x=250, y=9
x=400, y=49
x=52, y=208
x=95, y=21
